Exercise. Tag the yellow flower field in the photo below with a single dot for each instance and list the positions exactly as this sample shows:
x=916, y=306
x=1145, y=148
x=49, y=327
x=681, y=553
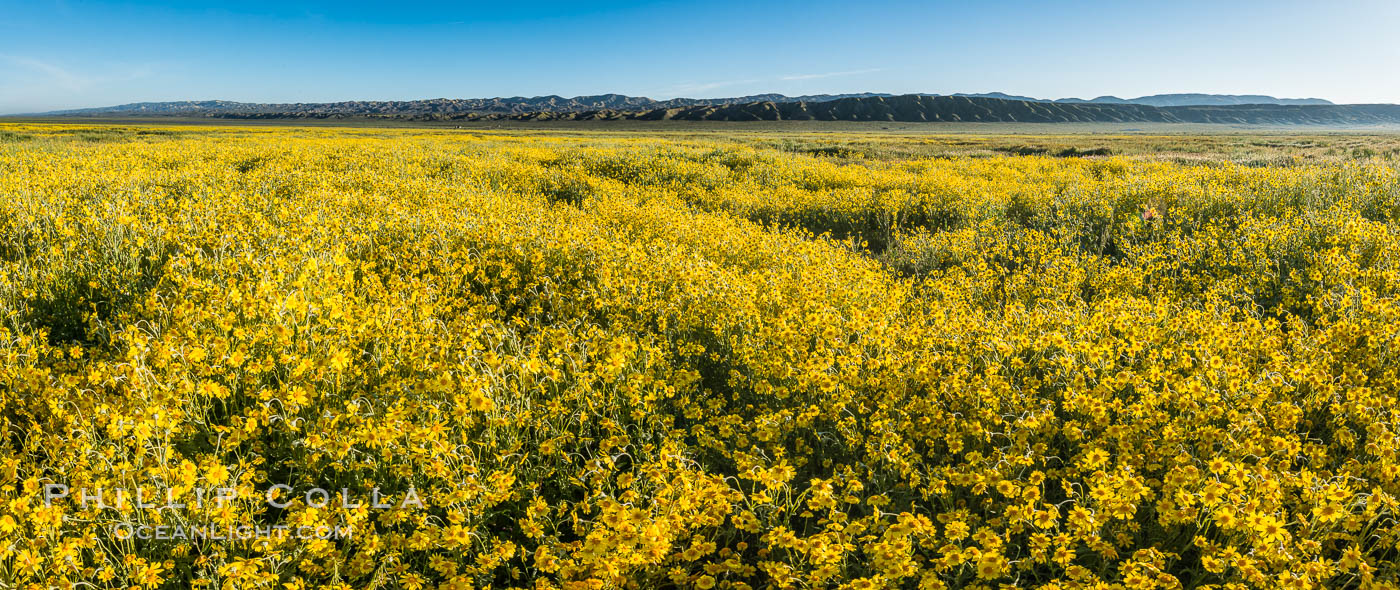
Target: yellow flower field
x=516, y=360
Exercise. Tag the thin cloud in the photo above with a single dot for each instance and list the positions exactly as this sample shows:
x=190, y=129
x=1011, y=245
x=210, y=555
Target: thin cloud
x=33, y=84
x=74, y=81
x=829, y=74
x=59, y=75
x=693, y=87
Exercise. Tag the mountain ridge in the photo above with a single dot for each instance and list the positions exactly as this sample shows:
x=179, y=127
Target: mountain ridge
x=618, y=102
x=1166, y=100
x=513, y=104
x=964, y=109
x=861, y=107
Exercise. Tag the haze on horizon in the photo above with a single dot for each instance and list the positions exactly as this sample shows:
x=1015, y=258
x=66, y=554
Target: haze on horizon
x=61, y=54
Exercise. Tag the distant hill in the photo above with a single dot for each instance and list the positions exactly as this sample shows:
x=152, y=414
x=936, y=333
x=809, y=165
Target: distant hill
x=601, y=102
x=515, y=104
x=1167, y=100
x=776, y=107
x=1180, y=100
x=922, y=108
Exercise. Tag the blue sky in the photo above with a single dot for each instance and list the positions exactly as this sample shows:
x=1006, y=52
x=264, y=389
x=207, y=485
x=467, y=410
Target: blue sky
x=71, y=53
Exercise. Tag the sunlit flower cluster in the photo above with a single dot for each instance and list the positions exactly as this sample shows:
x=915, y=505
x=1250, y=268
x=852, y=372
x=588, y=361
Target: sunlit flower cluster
x=629, y=362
